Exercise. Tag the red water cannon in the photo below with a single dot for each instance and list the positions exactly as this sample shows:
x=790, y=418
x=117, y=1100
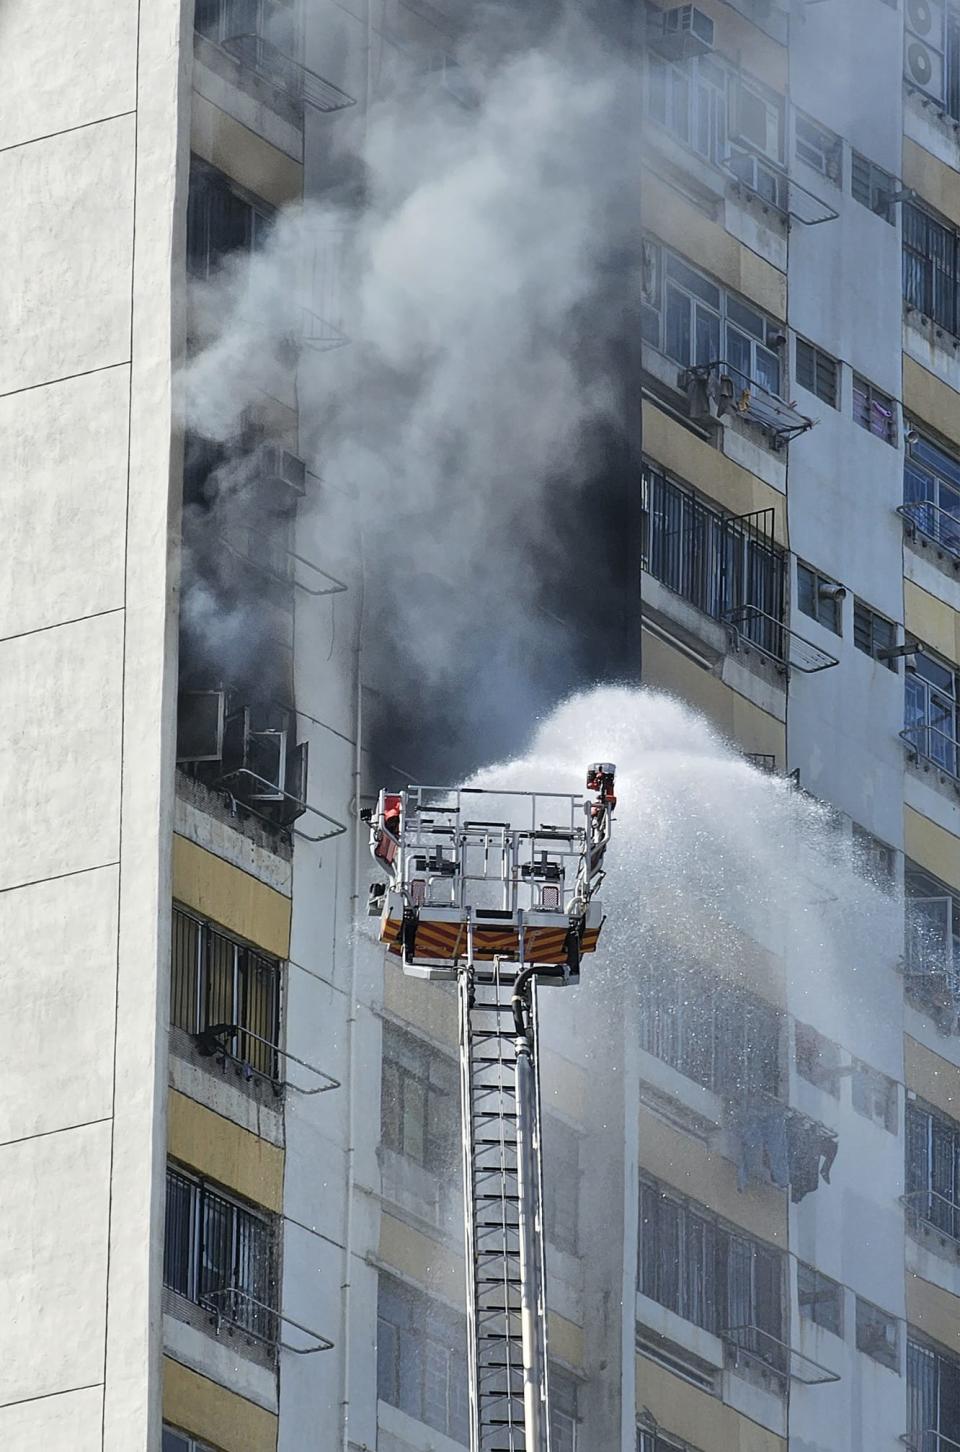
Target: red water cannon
x=600, y=779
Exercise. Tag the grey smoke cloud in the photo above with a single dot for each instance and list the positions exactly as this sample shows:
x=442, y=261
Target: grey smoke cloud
x=470, y=283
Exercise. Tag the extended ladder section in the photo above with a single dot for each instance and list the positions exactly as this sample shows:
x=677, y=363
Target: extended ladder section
x=497, y=905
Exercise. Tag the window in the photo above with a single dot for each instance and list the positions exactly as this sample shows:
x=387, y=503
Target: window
x=419, y=1101
x=219, y=1254
x=660, y=1441
x=931, y=491
x=217, y=981
x=932, y=930
x=174, y=1441
x=709, y=1274
x=933, y=1398
x=930, y=267
x=933, y=1169
x=873, y=410
x=690, y=100
x=561, y=1172
x=873, y=633
x=872, y=186
x=259, y=33
x=421, y=1358
x=931, y=710
x=874, y=1095
x=220, y=220
x=819, y=148
x=712, y=1031
x=818, y=1059
x=877, y=1335
x=718, y=563
x=820, y=597
x=563, y=1411
x=696, y=322
x=872, y=858
x=817, y=372
x=820, y=1299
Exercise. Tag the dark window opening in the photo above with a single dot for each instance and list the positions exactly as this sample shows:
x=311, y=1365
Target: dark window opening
x=215, y=980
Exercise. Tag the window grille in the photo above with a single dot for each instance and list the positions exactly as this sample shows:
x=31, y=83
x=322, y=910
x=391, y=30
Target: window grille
x=213, y=1245
x=421, y=1355
x=931, y=710
x=872, y=186
x=873, y=633
x=930, y=267
x=419, y=1101
x=932, y=924
x=933, y=1398
x=931, y=491
x=873, y=410
x=707, y=1273
x=220, y=220
x=713, y=1032
x=820, y=1299
x=933, y=1169
x=695, y=322
x=878, y=1334
x=817, y=372
x=718, y=563
x=817, y=597
x=216, y=980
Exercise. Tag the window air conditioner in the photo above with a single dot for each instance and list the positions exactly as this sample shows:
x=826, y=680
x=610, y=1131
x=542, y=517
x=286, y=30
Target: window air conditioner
x=681, y=33
x=281, y=470
x=923, y=47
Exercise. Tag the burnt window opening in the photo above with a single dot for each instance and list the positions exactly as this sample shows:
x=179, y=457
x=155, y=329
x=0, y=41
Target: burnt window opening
x=246, y=749
x=216, y=981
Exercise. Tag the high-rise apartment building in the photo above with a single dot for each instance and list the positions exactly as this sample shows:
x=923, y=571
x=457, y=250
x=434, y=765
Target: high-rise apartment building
x=229, y=1129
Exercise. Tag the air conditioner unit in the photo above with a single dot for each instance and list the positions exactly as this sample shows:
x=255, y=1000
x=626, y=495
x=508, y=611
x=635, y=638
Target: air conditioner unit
x=923, y=47
x=279, y=467
x=682, y=32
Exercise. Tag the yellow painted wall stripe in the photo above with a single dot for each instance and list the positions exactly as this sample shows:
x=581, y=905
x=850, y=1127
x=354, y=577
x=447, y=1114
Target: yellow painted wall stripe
x=932, y=621
x=932, y=847
x=708, y=245
x=934, y=1311
x=936, y=182
x=930, y=400
x=223, y=1151
x=695, y=462
x=935, y=1079
x=213, y=1414
x=697, y=1417
x=243, y=155
x=231, y=897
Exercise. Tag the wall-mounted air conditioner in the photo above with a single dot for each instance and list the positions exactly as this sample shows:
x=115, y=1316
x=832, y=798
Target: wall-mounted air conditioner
x=279, y=469
x=681, y=32
x=923, y=64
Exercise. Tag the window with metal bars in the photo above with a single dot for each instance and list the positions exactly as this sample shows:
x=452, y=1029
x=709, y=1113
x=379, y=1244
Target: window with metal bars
x=714, y=1032
x=419, y=1101
x=174, y=1441
x=721, y=564
x=421, y=1358
x=874, y=410
x=932, y=710
x=819, y=1298
x=872, y=186
x=931, y=265
x=217, y=981
x=817, y=372
x=873, y=633
x=710, y=1274
x=933, y=1169
x=819, y=597
x=221, y=219
x=933, y=1398
x=931, y=491
x=220, y=1255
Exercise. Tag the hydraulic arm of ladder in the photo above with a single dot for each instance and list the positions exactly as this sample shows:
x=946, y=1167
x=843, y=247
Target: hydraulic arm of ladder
x=497, y=907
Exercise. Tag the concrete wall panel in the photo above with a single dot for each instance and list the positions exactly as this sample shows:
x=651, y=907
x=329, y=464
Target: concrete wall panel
x=65, y=254
x=54, y=1195
x=66, y=1423
x=63, y=461
x=58, y=966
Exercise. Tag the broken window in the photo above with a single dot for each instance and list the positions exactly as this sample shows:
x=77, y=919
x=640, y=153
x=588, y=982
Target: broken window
x=218, y=982
x=421, y=1356
x=820, y=1299
x=219, y=1254
x=878, y=1334
x=419, y=1101
x=707, y=1272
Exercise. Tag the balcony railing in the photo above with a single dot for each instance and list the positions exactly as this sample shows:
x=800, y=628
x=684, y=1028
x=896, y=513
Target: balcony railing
x=934, y=1211
x=767, y=1351
x=774, y=188
x=236, y=1311
x=930, y=744
x=730, y=391
x=929, y=1440
x=923, y=517
x=214, y=1041
x=303, y=85
x=753, y=628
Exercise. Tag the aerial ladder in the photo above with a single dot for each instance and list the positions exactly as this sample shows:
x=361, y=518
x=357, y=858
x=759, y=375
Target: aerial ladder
x=497, y=906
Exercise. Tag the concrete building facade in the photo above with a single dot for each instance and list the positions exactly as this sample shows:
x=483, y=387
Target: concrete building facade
x=228, y=1159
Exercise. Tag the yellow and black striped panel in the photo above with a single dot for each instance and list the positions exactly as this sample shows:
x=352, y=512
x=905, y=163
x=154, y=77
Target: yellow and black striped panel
x=448, y=941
